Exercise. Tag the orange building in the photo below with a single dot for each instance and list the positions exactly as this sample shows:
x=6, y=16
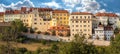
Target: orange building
x=59, y=30
x=61, y=16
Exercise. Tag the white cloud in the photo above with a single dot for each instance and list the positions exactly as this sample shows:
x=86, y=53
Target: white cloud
x=18, y=5
x=84, y=5
x=52, y=4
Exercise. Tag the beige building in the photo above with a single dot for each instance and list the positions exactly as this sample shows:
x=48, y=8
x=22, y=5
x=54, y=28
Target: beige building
x=81, y=23
x=2, y=14
x=11, y=15
x=26, y=16
x=41, y=20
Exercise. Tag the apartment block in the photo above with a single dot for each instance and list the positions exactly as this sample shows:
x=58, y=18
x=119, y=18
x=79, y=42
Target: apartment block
x=62, y=17
x=41, y=20
x=81, y=23
x=11, y=15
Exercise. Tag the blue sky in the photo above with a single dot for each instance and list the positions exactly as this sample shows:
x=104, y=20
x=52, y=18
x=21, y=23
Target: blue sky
x=70, y=5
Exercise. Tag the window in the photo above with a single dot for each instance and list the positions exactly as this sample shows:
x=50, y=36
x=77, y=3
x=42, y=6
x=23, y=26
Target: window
x=73, y=17
x=88, y=16
x=88, y=21
x=81, y=17
x=85, y=30
x=40, y=23
x=80, y=21
x=80, y=25
x=76, y=25
x=76, y=29
x=44, y=23
x=88, y=25
x=72, y=21
x=35, y=19
x=85, y=17
x=76, y=17
x=73, y=30
x=84, y=25
x=84, y=21
x=35, y=23
x=76, y=21
x=72, y=25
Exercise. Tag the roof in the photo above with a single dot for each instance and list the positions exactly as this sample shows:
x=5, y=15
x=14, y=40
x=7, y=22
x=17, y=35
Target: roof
x=81, y=13
x=12, y=12
x=63, y=28
x=4, y=24
x=60, y=11
x=2, y=13
x=45, y=9
x=108, y=28
x=106, y=14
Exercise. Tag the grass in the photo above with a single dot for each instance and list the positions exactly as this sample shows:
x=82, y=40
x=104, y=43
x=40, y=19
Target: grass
x=32, y=44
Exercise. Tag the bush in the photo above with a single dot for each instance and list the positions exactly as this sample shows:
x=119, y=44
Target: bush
x=22, y=50
x=31, y=30
x=46, y=33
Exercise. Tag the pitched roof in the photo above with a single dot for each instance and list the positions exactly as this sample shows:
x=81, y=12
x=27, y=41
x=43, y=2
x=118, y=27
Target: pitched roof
x=2, y=13
x=108, y=28
x=106, y=14
x=60, y=11
x=81, y=13
x=12, y=12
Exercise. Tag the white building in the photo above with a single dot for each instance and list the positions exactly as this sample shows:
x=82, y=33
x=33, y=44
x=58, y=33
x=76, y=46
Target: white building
x=11, y=15
x=109, y=32
x=105, y=17
x=103, y=33
x=99, y=32
x=81, y=23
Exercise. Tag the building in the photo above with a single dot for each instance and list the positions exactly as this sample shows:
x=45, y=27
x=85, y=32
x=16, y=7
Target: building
x=11, y=15
x=26, y=17
x=2, y=14
x=81, y=23
x=103, y=32
x=105, y=17
x=99, y=32
x=59, y=30
x=62, y=17
x=42, y=18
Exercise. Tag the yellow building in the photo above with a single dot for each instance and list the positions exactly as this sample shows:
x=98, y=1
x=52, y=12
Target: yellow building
x=26, y=16
x=62, y=17
x=1, y=16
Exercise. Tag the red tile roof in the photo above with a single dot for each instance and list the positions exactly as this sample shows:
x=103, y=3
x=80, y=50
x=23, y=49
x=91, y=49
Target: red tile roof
x=81, y=13
x=12, y=12
x=108, y=28
x=2, y=13
x=60, y=11
x=107, y=14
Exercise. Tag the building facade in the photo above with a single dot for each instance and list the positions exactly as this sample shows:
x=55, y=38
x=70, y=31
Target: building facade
x=41, y=20
x=59, y=30
x=11, y=15
x=62, y=17
x=81, y=23
x=105, y=17
x=2, y=14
